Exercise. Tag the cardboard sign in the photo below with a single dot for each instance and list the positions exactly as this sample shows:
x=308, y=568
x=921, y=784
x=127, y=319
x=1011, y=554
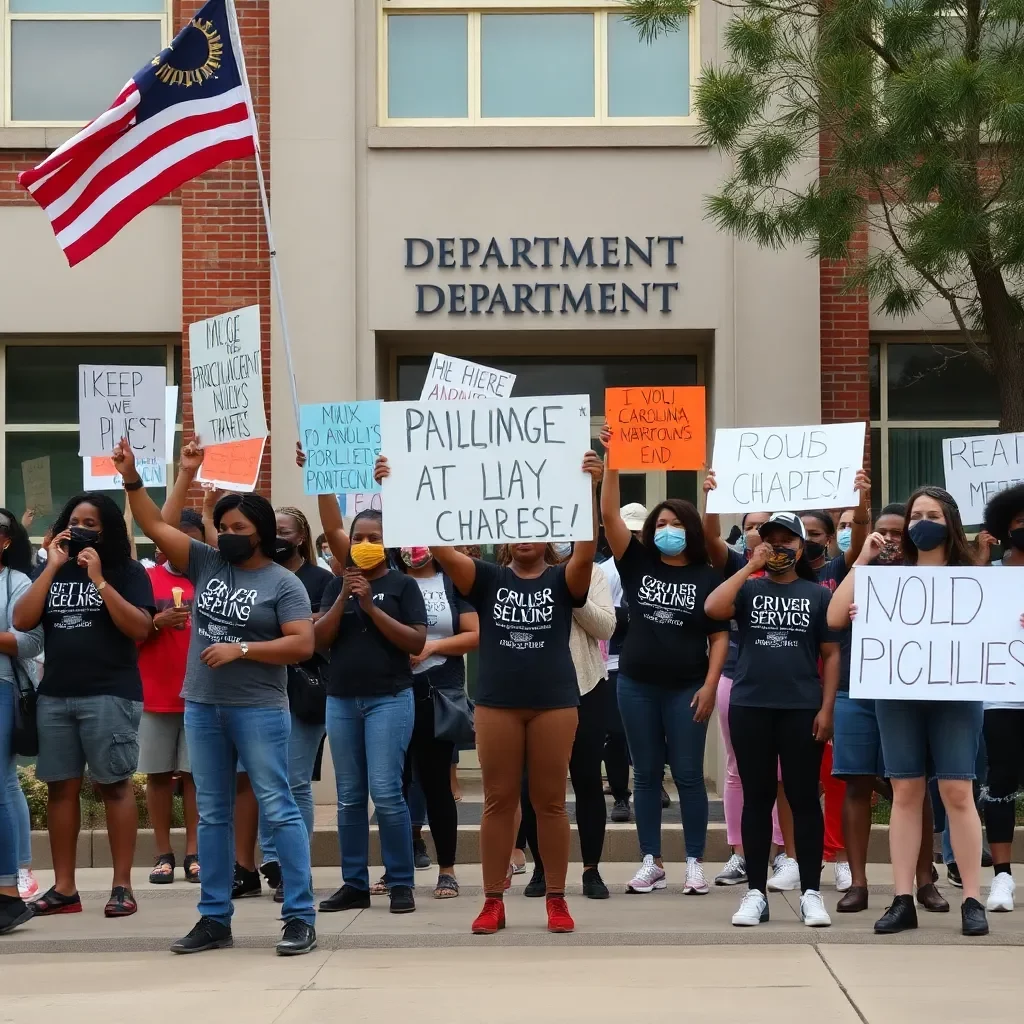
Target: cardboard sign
x=924, y=633
x=777, y=469
x=355, y=502
x=656, y=428
x=234, y=466
x=487, y=472
x=227, y=377
x=122, y=401
x=978, y=468
x=451, y=379
x=341, y=441
x=35, y=475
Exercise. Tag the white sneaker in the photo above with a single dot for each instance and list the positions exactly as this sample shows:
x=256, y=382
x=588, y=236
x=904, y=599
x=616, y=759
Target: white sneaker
x=786, y=877
x=648, y=876
x=696, y=884
x=1000, y=896
x=734, y=872
x=28, y=887
x=753, y=910
x=844, y=876
x=812, y=910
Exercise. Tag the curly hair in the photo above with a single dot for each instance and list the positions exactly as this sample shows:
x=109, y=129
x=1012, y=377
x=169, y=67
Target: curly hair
x=115, y=549
x=958, y=551
x=18, y=554
x=686, y=512
x=1002, y=510
x=305, y=549
x=258, y=511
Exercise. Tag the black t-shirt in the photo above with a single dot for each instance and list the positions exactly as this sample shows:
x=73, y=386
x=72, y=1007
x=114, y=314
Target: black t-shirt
x=667, y=642
x=734, y=561
x=364, y=663
x=781, y=629
x=316, y=580
x=524, y=638
x=86, y=655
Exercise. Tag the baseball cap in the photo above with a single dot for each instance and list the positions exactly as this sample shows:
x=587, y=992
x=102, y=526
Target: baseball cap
x=788, y=521
x=634, y=515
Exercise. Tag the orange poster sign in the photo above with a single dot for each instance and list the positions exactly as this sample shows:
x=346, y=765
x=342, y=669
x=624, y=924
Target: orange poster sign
x=656, y=429
x=234, y=466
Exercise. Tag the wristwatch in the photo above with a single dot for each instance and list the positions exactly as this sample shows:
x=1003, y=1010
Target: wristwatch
x=244, y=648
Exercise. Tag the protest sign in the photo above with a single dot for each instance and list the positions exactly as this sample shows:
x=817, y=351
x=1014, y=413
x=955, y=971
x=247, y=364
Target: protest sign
x=35, y=474
x=656, y=428
x=774, y=469
x=451, y=379
x=926, y=633
x=234, y=466
x=341, y=441
x=227, y=377
x=358, y=501
x=122, y=401
x=977, y=468
x=487, y=472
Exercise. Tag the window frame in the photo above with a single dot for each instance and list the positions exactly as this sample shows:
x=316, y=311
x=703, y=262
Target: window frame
x=8, y=18
x=474, y=9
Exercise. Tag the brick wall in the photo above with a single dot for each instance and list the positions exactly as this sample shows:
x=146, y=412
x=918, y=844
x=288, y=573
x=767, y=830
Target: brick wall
x=12, y=163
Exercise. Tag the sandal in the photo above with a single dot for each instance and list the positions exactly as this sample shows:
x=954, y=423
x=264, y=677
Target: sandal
x=447, y=887
x=191, y=861
x=158, y=877
x=121, y=903
x=379, y=888
x=53, y=902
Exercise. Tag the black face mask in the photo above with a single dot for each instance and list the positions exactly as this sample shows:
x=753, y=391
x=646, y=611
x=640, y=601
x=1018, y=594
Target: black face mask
x=1016, y=539
x=80, y=539
x=235, y=547
x=283, y=550
x=814, y=550
x=928, y=534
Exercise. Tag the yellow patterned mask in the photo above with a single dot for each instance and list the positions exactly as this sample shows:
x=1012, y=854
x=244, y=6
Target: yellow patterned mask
x=367, y=555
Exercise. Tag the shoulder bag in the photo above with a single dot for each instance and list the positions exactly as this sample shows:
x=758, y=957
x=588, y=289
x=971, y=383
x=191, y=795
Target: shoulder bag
x=307, y=690
x=25, y=735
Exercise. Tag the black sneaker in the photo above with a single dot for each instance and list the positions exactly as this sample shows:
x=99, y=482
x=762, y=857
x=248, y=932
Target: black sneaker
x=279, y=893
x=297, y=938
x=666, y=800
x=271, y=871
x=973, y=920
x=14, y=912
x=537, y=885
x=593, y=885
x=621, y=812
x=986, y=857
x=402, y=901
x=207, y=934
x=348, y=897
x=419, y=854
x=900, y=917
x=953, y=875
x=246, y=883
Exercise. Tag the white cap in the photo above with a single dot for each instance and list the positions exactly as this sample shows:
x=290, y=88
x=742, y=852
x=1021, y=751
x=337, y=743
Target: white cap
x=634, y=515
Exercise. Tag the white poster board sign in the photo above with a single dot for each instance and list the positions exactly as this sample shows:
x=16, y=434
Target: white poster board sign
x=777, y=469
x=122, y=401
x=227, y=377
x=487, y=472
x=451, y=379
x=978, y=468
x=35, y=475
x=925, y=633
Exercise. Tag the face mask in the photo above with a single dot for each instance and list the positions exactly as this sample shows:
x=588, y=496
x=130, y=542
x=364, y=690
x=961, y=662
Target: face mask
x=928, y=534
x=367, y=555
x=415, y=558
x=814, y=550
x=1016, y=539
x=235, y=547
x=80, y=539
x=283, y=550
x=563, y=549
x=890, y=553
x=781, y=560
x=844, y=538
x=670, y=540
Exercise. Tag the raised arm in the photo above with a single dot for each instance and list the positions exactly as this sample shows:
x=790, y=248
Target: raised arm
x=861, y=517
x=331, y=519
x=842, y=600
x=580, y=567
x=718, y=550
x=721, y=602
x=210, y=497
x=615, y=530
x=189, y=461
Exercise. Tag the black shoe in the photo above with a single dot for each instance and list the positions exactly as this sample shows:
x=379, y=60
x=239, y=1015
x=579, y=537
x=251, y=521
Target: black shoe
x=279, y=893
x=246, y=883
x=593, y=885
x=207, y=934
x=666, y=800
x=402, y=900
x=953, y=875
x=973, y=920
x=297, y=938
x=13, y=913
x=348, y=897
x=986, y=857
x=901, y=916
x=537, y=885
x=271, y=871
x=419, y=854
x=621, y=812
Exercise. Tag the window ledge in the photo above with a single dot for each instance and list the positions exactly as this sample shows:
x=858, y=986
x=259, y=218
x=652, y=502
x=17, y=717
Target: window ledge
x=535, y=137
x=35, y=138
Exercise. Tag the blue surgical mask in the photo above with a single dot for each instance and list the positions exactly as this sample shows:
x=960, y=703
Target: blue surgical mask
x=562, y=548
x=844, y=538
x=670, y=540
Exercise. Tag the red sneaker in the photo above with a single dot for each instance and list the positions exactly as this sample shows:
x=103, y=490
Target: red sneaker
x=491, y=919
x=559, y=918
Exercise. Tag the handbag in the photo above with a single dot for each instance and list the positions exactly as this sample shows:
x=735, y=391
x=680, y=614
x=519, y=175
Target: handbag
x=25, y=734
x=453, y=717
x=307, y=690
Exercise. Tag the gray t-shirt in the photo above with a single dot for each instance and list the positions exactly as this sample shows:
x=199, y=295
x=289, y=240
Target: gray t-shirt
x=232, y=605
x=439, y=617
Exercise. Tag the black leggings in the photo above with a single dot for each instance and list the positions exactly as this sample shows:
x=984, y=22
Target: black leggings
x=761, y=739
x=585, y=772
x=432, y=760
x=616, y=750
x=1004, y=741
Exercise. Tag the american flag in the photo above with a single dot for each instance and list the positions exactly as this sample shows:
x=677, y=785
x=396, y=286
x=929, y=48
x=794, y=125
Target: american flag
x=185, y=112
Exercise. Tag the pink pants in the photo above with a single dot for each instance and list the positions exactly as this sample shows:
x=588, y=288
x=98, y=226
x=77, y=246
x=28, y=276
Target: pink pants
x=733, y=796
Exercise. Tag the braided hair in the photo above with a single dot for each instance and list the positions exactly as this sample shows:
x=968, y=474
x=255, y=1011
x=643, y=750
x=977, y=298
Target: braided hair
x=305, y=549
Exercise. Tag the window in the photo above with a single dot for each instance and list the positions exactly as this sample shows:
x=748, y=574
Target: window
x=64, y=61
x=922, y=392
x=509, y=62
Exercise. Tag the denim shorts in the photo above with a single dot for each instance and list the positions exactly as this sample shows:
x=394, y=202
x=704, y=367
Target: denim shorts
x=936, y=739
x=856, y=745
x=100, y=731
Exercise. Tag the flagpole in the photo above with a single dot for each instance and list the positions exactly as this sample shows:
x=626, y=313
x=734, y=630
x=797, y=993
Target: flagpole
x=275, y=273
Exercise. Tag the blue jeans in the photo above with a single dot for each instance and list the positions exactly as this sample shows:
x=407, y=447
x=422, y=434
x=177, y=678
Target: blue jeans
x=218, y=737
x=8, y=817
x=303, y=743
x=930, y=739
x=660, y=727
x=369, y=737
x=18, y=807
